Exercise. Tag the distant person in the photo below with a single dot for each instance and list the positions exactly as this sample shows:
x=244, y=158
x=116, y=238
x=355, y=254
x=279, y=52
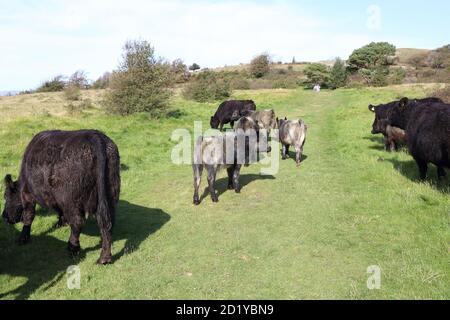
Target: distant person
x=317, y=88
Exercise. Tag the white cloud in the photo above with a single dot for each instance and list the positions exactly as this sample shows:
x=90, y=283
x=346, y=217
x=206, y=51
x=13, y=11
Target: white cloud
x=63, y=36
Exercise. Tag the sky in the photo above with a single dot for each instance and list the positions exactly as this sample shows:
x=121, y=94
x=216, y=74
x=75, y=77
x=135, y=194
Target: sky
x=43, y=38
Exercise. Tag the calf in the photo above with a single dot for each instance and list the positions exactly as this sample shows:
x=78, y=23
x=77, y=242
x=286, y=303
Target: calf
x=394, y=138
x=292, y=133
x=230, y=112
x=74, y=173
x=266, y=119
x=228, y=152
x=428, y=130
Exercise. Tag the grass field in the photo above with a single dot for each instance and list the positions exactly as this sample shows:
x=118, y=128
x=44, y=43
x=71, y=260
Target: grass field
x=308, y=233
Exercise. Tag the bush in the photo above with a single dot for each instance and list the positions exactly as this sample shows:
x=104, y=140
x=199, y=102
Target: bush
x=141, y=84
x=240, y=84
x=338, y=77
x=398, y=76
x=260, y=66
x=102, y=82
x=56, y=84
x=72, y=93
x=317, y=73
x=180, y=72
x=79, y=80
x=207, y=86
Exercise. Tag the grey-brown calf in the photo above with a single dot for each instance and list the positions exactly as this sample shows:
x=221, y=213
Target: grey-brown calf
x=213, y=153
x=292, y=133
x=266, y=119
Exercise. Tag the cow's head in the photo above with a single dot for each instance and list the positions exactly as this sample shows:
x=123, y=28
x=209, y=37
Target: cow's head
x=215, y=122
x=13, y=203
x=400, y=113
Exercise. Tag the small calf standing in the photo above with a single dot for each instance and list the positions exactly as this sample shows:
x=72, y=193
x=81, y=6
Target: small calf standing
x=214, y=153
x=394, y=137
x=292, y=133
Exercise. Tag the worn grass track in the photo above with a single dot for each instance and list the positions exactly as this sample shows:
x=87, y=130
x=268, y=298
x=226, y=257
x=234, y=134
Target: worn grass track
x=307, y=233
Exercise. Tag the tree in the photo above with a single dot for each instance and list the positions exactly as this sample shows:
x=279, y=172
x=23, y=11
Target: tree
x=141, y=82
x=338, y=77
x=418, y=61
x=260, y=66
x=372, y=62
x=208, y=86
x=318, y=73
x=102, y=82
x=194, y=67
x=56, y=84
x=436, y=60
x=78, y=79
x=180, y=71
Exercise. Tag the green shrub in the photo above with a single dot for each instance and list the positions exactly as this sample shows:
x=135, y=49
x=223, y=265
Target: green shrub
x=339, y=76
x=56, y=84
x=240, y=83
x=207, y=86
x=398, y=76
x=72, y=93
x=260, y=66
x=141, y=84
x=317, y=73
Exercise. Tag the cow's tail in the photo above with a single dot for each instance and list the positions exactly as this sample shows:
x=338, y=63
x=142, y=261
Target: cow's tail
x=104, y=218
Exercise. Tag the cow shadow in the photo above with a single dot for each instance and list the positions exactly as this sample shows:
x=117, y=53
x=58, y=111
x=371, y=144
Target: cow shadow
x=44, y=261
x=293, y=155
x=245, y=180
x=410, y=170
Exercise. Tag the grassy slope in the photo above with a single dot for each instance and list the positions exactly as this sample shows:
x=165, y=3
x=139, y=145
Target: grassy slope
x=307, y=233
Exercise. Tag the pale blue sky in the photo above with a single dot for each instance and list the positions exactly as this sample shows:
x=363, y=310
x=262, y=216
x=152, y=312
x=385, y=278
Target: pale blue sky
x=40, y=39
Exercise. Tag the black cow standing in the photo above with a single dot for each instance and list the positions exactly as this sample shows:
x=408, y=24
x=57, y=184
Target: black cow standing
x=427, y=127
x=75, y=173
x=230, y=112
x=383, y=113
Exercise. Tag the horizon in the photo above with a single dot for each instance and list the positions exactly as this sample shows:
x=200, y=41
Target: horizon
x=42, y=39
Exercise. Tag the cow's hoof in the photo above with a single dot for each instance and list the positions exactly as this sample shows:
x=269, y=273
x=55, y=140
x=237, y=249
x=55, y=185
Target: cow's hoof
x=196, y=202
x=75, y=250
x=215, y=200
x=230, y=187
x=237, y=191
x=104, y=260
x=23, y=240
x=60, y=224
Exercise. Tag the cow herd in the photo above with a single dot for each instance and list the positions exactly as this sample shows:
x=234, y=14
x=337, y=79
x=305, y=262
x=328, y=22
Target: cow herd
x=226, y=151
x=423, y=124
x=77, y=173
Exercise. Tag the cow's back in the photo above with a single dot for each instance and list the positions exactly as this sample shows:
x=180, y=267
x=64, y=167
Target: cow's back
x=59, y=168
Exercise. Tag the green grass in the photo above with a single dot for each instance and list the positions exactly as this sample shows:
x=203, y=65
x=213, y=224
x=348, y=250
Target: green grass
x=307, y=233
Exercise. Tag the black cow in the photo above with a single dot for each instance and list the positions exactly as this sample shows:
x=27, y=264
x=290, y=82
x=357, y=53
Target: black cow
x=427, y=128
x=230, y=112
x=75, y=173
x=383, y=112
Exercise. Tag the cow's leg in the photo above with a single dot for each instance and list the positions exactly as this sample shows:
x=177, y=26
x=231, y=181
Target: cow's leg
x=232, y=124
x=423, y=168
x=27, y=218
x=212, y=172
x=106, y=255
x=298, y=155
x=221, y=126
x=230, y=172
x=61, y=220
x=387, y=144
x=198, y=170
x=76, y=222
x=442, y=174
x=236, y=176
x=285, y=152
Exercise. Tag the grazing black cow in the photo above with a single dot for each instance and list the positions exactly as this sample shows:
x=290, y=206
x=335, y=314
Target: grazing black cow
x=427, y=129
x=219, y=152
x=383, y=112
x=230, y=112
x=75, y=173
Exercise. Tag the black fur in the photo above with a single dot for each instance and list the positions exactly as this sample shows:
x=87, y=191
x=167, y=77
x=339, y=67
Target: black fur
x=230, y=112
x=74, y=173
x=427, y=128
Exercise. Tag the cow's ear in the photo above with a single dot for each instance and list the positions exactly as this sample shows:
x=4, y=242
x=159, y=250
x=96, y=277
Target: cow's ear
x=372, y=108
x=285, y=118
x=403, y=103
x=9, y=182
